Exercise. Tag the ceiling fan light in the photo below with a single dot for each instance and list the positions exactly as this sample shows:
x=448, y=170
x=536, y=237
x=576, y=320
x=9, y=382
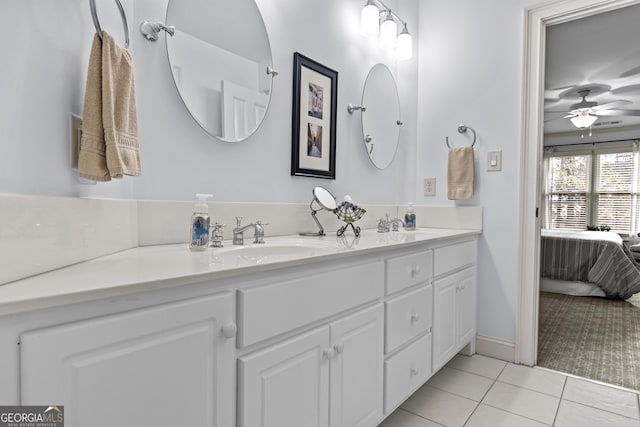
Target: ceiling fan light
x=583, y=120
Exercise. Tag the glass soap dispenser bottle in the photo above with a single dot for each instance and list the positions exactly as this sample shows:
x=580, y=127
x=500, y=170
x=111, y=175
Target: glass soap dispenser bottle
x=200, y=224
x=410, y=218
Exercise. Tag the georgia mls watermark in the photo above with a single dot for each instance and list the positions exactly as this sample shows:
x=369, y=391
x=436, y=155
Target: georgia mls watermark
x=32, y=416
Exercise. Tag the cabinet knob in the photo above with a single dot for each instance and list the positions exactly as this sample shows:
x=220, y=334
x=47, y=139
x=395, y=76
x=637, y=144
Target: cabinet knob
x=328, y=353
x=414, y=372
x=229, y=330
x=415, y=270
x=339, y=348
x=414, y=317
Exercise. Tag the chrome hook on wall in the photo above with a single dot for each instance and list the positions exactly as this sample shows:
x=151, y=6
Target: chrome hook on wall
x=150, y=30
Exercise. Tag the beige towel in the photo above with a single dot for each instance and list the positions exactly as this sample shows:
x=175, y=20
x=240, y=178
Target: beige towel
x=460, y=174
x=109, y=146
x=92, y=161
x=119, y=117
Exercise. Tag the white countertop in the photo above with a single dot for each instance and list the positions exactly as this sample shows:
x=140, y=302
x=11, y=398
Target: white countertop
x=155, y=267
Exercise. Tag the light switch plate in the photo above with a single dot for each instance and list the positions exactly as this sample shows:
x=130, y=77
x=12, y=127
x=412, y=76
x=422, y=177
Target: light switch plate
x=429, y=186
x=494, y=160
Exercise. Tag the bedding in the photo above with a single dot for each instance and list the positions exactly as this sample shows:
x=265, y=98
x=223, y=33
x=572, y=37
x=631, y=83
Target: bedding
x=597, y=257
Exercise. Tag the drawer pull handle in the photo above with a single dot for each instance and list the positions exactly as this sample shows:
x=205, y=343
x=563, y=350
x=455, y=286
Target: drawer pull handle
x=339, y=348
x=414, y=317
x=229, y=330
x=328, y=353
x=413, y=372
x=415, y=270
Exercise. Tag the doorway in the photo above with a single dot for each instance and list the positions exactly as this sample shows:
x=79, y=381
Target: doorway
x=537, y=19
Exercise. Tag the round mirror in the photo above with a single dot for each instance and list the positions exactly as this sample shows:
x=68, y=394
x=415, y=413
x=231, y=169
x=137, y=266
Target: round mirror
x=381, y=119
x=220, y=59
x=324, y=198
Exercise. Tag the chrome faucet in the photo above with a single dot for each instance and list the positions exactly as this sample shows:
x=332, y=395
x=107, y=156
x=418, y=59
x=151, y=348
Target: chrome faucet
x=216, y=235
x=238, y=232
x=394, y=224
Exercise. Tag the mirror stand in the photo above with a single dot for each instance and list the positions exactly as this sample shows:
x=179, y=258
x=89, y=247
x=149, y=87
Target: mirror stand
x=324, y=200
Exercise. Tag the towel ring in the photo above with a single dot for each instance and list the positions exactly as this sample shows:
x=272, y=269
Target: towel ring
x=463, y=129
x=96, y=21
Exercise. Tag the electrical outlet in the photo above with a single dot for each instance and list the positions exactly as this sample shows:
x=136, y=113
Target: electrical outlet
x=429, y=186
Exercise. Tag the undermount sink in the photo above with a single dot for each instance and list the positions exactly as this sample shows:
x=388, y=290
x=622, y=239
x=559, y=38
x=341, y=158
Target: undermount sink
x=271, y=251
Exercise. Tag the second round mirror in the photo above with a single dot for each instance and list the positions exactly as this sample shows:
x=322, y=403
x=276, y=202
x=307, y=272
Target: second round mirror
x=381, y=119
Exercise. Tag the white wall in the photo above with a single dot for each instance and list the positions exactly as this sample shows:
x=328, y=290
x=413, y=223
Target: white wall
x=470, y=72
x=46, y=52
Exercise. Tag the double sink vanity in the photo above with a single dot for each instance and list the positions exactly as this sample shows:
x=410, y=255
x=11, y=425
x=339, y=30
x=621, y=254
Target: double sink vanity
x=298, y=331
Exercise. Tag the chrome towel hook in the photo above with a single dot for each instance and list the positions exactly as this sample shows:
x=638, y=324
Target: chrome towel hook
x=462, y=129
x=123, y=16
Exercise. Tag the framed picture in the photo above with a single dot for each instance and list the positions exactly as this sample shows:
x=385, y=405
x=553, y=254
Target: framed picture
x=315, y=96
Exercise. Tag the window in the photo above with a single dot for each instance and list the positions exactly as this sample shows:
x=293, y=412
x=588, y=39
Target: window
x=592, y=188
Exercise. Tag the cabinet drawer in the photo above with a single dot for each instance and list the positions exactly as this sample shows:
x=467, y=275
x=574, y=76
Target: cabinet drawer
x=408, y=270
x=406, y=371
x=270, y=310
x=407, y=317
x=449, y=258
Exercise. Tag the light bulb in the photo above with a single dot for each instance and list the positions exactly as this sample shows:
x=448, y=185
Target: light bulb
x=584, y=119
x=404, y=45
x=370, y=20
x=388, y=32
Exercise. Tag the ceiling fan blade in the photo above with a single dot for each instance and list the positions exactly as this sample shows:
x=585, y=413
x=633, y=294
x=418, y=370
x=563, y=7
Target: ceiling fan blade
x=550, y=119
x=610, y=105
x=617, y=112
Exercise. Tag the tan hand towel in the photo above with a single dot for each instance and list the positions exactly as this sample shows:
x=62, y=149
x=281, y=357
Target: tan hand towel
x=460, y=176
x=119, y=117
x=92, y=161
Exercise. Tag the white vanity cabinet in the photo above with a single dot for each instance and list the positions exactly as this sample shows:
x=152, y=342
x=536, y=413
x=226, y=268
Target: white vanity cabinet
x=168, y=365
x=330, y=376
x=408, y=325
x=454, y=320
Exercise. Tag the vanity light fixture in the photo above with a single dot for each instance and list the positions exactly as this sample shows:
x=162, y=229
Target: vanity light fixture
x=370, y=20
x=584, y=119
x=387, y=29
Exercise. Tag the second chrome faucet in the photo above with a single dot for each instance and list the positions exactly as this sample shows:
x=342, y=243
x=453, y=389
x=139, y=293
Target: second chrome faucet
x=238, y=232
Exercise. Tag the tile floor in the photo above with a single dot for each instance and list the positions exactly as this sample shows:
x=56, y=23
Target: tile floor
x=480, y=391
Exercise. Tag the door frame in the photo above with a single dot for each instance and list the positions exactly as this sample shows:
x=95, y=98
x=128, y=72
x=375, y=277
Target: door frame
x=537, y=18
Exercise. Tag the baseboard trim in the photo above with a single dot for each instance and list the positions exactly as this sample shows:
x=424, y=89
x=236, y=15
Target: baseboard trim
x=496, y=348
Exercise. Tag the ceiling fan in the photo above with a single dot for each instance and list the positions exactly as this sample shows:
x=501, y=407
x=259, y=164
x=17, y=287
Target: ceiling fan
x=585, y=113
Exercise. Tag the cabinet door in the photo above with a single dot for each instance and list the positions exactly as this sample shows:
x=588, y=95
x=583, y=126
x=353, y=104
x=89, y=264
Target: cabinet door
x=357, y=369
x=444, y=320
x=466, y=305
x=286, y=385
x=168, y=365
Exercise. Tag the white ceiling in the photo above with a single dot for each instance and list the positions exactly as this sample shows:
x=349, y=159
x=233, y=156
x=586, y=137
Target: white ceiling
x=601, y=52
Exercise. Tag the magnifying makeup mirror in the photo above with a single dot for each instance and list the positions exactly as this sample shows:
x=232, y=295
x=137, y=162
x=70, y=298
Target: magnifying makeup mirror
x=322, y=199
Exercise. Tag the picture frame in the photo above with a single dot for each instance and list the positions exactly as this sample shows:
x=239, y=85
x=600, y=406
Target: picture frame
x=313, y=134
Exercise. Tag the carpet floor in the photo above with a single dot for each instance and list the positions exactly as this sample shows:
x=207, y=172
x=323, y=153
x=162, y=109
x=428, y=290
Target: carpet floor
x=591, y=337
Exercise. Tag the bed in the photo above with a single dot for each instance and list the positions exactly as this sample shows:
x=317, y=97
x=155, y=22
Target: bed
x=593, y=263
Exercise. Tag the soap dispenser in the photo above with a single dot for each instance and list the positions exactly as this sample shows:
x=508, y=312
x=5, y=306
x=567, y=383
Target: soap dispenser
x=410, y=218
x=200, y=224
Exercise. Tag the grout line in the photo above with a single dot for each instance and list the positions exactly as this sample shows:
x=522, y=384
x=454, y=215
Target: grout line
x=420, y=416
x=601, y=409
x=555, y=416
x=519, y=415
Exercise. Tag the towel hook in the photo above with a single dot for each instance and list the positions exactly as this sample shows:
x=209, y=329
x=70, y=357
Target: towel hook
x=123, y=16
x=463, y=129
